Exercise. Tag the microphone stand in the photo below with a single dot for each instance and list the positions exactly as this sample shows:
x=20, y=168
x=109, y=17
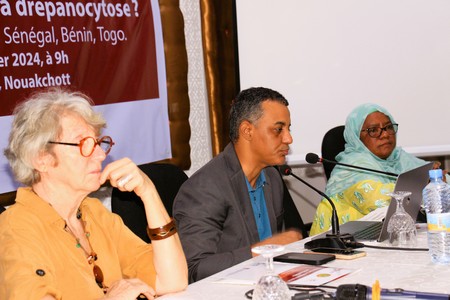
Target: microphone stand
x=356, y=167
x=334, y=242
x=313, y=158
x=334, y=218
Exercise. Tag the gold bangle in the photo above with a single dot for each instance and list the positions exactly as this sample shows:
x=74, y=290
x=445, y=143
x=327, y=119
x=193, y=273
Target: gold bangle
x=162, y=232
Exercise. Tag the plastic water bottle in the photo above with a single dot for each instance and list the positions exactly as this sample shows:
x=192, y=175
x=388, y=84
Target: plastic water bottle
x=436, y=199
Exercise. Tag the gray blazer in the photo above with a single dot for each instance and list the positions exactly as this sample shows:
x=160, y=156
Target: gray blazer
x=214, y=214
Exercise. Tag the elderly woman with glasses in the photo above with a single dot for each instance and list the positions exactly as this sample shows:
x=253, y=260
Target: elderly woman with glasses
x=370, y=136
x=56, y=242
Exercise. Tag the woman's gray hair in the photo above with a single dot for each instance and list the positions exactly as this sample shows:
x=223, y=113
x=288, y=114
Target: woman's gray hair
x=37, y=121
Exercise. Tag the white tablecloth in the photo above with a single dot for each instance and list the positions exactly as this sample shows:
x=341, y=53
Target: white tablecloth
x=409, y=270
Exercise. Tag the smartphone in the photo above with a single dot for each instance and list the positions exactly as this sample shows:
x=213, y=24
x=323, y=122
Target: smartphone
x=305, y=258
x=340, y=254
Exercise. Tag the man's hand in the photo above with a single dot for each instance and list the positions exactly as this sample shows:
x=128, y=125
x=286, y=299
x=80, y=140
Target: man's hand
x=283, y=238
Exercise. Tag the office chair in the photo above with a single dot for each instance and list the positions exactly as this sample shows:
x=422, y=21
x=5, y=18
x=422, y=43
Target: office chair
x=167, y=179
x=332, y=144
x=7, y=199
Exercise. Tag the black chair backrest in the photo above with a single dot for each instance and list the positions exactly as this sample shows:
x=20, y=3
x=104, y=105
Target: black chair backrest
x=332, y=144
x=167, y=179
x=7, y=199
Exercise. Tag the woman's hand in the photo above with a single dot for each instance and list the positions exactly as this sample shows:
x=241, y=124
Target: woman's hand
x=129, y=289
x=126, y=176
x=168, y=256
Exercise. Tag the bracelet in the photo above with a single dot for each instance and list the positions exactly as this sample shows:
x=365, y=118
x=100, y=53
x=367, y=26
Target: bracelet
x=162, y=232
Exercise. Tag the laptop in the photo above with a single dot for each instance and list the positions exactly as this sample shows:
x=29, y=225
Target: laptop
x=413, y=181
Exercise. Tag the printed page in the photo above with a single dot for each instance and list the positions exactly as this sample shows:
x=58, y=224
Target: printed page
x=291, y=273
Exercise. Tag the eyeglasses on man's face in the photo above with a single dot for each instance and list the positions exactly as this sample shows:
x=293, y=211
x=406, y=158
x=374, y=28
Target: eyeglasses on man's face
x=376, y=132
x=87, y=145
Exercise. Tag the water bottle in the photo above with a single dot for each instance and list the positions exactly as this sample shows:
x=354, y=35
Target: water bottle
x=436, y=199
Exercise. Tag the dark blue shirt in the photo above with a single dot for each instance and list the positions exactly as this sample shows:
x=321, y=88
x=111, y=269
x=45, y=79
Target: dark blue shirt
x=259, y=206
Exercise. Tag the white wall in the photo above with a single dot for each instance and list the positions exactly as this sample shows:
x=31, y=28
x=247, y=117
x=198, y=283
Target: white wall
x=328, y=56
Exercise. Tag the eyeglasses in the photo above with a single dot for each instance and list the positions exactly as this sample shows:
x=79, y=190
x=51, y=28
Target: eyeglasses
x=375, y=132
x=87, y=144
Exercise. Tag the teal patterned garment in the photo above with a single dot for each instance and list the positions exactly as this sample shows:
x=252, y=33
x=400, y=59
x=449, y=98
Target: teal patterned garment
x=357, y=192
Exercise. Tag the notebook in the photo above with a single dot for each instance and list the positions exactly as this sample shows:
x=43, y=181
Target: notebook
x=413, y=181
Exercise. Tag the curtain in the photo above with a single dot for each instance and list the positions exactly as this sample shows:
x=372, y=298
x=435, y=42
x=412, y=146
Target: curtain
x=177, y=84
x=218, y=19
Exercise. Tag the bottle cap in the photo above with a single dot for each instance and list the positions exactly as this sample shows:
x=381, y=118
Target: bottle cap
x=437, y=173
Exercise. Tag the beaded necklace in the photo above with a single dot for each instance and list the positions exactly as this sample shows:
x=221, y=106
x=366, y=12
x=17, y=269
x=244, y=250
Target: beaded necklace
x=91, y=256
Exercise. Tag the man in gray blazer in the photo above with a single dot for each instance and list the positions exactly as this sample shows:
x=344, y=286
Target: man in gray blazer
x=235, y=201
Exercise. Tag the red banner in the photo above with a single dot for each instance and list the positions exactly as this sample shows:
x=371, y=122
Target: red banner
x=105, y=49
x=112, y=51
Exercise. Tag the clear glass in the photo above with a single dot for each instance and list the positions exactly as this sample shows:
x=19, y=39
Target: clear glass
x=401, y=227
x=270, y=286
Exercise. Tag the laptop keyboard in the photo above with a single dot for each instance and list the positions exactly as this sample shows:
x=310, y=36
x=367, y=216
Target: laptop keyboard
x=371, y=232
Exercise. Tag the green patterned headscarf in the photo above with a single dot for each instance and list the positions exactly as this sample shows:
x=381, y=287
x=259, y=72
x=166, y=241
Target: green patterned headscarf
x=356, y=153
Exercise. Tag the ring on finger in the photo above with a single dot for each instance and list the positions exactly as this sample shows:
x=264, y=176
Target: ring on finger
x=124, y=180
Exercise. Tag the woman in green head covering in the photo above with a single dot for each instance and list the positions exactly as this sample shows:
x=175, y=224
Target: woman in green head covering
x=370, y=136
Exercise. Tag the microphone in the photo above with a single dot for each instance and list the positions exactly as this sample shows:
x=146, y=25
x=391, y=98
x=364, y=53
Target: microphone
x=313, y=158
x=362, y=292
x=334, y=242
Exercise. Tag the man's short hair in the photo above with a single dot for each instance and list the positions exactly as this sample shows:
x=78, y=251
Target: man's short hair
x=247, y=107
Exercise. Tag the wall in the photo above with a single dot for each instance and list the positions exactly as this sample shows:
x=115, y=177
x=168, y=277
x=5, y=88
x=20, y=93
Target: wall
x=201, y=150
x=327, y=57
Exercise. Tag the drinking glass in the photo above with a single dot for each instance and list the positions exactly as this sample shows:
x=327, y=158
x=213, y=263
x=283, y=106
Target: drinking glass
x=401, y=227
x=270, y=286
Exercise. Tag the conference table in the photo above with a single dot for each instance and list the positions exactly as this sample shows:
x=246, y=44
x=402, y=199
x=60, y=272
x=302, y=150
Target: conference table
x=409, y=270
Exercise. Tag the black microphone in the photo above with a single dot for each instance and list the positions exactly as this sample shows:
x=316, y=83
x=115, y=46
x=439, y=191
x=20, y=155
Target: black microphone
x=362, y=292
x=313, y=158
x=334, y=242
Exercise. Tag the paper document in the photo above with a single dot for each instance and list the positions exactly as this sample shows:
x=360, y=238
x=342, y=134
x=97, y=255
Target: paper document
x=291, y=273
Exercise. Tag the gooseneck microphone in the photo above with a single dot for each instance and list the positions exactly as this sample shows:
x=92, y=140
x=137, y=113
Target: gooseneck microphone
x=334, y=242
x=287, y=170
x=363, y=292
x=313, y=158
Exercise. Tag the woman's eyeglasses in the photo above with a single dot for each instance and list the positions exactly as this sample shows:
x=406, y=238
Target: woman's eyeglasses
x=88, y=144
x=376, y=132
